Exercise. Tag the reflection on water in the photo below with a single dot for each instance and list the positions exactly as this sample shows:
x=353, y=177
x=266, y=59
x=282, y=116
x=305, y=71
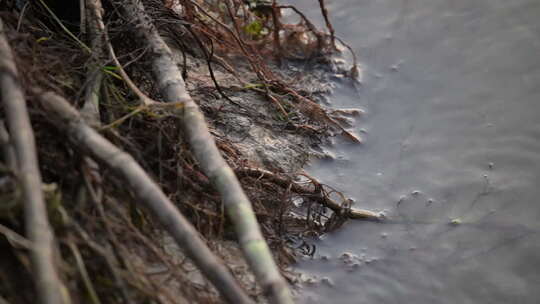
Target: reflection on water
x=452, y=152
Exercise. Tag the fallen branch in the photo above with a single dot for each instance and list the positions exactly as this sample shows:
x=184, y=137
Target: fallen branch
x=286, y=181
x=49, y=287
x=145, y=190
x=237, y=204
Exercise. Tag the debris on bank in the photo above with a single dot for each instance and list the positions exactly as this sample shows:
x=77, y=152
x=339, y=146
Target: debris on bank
x=114, y=142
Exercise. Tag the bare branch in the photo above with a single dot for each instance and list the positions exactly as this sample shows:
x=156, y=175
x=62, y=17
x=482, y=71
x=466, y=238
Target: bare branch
x=146, y=191
x=49, y=287
x=238, y=206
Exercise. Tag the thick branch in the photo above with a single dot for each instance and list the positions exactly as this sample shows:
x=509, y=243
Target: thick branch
x=48, y=284
x=237, y=204
x=328, y=24
x=146, y=191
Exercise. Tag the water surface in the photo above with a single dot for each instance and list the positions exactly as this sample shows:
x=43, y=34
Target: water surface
x=452, y=94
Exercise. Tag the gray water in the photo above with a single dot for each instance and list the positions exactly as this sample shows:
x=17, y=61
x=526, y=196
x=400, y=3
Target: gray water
x=452, y=94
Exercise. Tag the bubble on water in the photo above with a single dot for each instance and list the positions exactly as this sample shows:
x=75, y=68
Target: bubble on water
x=430, y=201
x=327, y=281
x=355, y=266
x=348, y=257
x=415, y=192
x=396, y=66
x=384, y=235
x=490, y=165
x=455, y=222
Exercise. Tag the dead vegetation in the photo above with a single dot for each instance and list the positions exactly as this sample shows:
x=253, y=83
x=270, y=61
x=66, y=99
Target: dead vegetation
x=104, y=246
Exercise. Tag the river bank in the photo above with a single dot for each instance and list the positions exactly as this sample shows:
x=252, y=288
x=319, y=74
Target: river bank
x=266, y=117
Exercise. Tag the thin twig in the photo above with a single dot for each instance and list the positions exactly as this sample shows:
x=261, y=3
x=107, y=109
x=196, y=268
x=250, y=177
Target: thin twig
x=144, y=99
x=105, y=252
x=96, y=6
x=21, y=15
x=328, y=23
x=84, y=273
x=309, y=25
x=82, y=17
x=277, y=29
x=64, y=28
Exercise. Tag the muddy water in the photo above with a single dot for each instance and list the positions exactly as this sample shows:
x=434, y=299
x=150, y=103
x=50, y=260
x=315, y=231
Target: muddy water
x=452, y=154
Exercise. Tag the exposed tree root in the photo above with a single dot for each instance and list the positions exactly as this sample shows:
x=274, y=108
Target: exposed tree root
x=315, y=193
x=206, y=58
x=220, y=174
x=146, y=191
x=50, y=288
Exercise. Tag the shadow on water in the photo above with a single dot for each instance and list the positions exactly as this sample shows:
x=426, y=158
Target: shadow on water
x=452, y=155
